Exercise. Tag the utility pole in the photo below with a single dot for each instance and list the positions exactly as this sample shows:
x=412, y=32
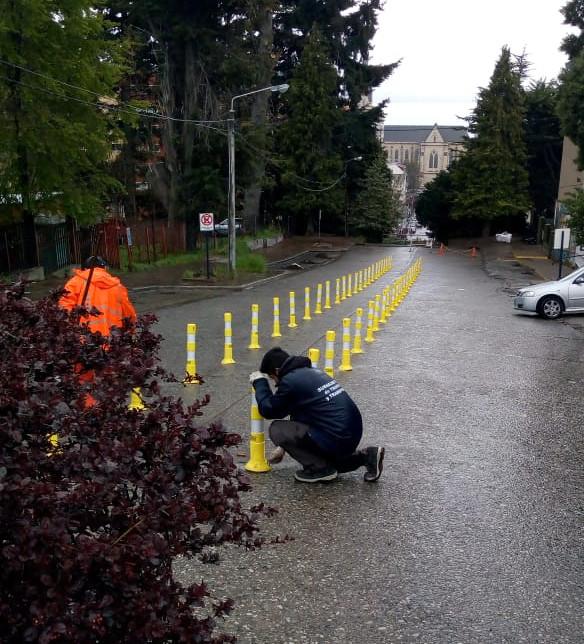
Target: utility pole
x=231, y=200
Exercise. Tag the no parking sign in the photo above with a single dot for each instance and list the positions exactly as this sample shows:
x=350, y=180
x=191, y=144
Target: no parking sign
x=206, y=222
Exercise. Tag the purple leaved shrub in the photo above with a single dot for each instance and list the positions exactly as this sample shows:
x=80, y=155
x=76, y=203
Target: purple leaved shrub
x=89, y=527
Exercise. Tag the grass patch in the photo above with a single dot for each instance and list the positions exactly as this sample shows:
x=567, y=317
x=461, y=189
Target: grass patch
x=170, y=260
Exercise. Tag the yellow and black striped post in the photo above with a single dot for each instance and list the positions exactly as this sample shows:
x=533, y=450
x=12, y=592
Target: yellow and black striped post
x=228, y=345
x=257, y=442
x=254, y=341
x=292, y=320
x=276, y=327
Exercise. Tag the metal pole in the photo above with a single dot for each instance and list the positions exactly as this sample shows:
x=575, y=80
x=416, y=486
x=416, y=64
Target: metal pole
x=561, y=254
x=231, y=226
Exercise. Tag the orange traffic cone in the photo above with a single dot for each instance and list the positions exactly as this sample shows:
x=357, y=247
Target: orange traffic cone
x=442, y=249
x=473, y=252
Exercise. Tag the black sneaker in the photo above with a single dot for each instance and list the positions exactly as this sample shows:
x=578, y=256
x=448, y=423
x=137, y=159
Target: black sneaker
x=311, y=475
x=374, y=463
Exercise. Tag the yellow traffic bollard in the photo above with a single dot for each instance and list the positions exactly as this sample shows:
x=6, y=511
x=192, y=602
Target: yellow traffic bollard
x=370, y=315
x=382, y=307
x=292, y=320
x=357, y=348
x=276, y=328
x=338, y=291
x=254, y=342
x=257, y=441
x=361, y=287
x=349, y=285
x=329, y=354
x=314, y=357
x=376, y=312
x=318, y=307
x=327, y=294
x=228, y=348
x=307, y=303
x=343, y=288
x=346, y=346
x=191, y=366
x=136, y=401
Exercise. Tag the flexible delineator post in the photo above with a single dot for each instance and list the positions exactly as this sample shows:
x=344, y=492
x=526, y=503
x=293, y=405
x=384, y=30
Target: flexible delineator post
x=338, y=291
x=314, y=357
x=356, y=282
x=228, y=348
x=387, y=308
x=276, y=328
x=292, y=320
x=361, y=286
x=382, y=307
x=136, y=401
x=343, y=288
x=254, y=341
x=350, y=285
x=327, y=294
x=376, y=306
x=329, y=354
x=357, y=348
x=191, y=365
x=370, y=315
x=307, y=303
x=257, y=442
x=346, y=347
x=318, y=307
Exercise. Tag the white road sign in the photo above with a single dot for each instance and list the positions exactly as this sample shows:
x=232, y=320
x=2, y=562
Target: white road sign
x=206, y=222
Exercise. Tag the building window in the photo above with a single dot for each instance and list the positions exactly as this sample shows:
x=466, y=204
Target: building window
x=407, y=156
x=396, y=155
x=433, y=161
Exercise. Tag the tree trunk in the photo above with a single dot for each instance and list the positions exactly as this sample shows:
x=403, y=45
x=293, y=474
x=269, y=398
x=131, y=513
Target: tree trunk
x=486, y=230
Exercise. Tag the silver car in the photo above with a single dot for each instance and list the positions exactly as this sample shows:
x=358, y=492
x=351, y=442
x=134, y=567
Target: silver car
x=552, y=299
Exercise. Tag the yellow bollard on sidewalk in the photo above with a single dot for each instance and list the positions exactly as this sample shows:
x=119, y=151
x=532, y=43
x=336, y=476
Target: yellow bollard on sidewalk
x=136, y=401
x=350, y=285
x=343, y=288
x=307, y=303
x=346, y=346
x=370, y=315
x=254, y=341
x=329, y=354
x=318, y=307
x=338, y=291
x=257, y=441
x=382, y=307
x=314, y=357
x=276, y=328
x=327, y=294
x=228, y=348
x=376, y=313
x=292, y=320
x=191, y=365
x=357, y=348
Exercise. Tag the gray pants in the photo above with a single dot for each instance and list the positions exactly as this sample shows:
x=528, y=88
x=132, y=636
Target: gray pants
x=294, y=439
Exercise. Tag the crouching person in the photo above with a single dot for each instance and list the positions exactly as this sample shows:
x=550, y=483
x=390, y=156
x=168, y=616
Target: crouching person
x=325, y=425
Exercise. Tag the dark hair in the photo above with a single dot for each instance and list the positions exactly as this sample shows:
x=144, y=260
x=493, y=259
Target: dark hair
x=94, y=261
x=273, y=360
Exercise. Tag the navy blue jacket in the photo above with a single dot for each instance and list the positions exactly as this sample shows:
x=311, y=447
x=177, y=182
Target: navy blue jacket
x=311, y=397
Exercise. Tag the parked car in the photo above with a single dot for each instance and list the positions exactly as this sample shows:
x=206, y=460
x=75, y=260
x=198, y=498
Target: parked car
x=503, y=237
x=222, y=228
x=553, y=299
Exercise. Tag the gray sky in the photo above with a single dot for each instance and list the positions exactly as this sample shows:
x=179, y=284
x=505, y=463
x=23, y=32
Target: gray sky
x=449, y=49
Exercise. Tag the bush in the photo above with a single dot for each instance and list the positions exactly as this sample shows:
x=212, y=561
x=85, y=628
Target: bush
x=89, y=528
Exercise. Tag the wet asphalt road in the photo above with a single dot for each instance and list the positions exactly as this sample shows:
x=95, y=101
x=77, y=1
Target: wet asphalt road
x=474, y=532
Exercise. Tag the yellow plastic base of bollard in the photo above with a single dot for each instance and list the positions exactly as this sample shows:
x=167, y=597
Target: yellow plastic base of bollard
x=136, y=400
x=257, y=454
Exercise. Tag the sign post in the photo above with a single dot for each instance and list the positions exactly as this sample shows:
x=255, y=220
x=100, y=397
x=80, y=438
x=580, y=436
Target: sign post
x=206, y=226
x=561, y=241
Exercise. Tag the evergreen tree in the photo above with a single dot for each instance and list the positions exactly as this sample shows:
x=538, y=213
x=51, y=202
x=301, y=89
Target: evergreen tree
x=575, y=207
x=434, y=206
x=571, y=91
x=491, y=178
x=311, y=168
x=58, y=71
x=544, y=146
x=377, y=210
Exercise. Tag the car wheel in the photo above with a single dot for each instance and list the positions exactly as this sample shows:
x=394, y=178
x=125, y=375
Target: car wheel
x=550, y=307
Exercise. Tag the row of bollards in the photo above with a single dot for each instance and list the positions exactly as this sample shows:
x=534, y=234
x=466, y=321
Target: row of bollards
x=379, y=311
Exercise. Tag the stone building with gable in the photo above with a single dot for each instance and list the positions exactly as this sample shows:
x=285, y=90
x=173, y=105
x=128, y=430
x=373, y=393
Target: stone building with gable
x=432, y=147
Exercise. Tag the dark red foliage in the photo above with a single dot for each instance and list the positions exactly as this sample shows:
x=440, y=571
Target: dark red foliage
x=89, y=529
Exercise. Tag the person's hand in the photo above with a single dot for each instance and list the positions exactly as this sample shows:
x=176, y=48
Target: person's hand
x=256, y=375
x=276, y=456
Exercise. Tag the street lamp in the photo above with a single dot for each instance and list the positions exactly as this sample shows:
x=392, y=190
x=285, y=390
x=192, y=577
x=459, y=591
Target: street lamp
x=347, y=194
x=231, y=148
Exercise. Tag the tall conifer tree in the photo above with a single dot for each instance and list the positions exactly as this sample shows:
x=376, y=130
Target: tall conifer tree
x=492, y=177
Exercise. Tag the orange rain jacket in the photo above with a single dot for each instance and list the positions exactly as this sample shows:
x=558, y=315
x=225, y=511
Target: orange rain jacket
x=106, y=293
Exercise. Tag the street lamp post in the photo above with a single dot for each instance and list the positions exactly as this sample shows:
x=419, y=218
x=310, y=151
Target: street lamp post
x=231, y=150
